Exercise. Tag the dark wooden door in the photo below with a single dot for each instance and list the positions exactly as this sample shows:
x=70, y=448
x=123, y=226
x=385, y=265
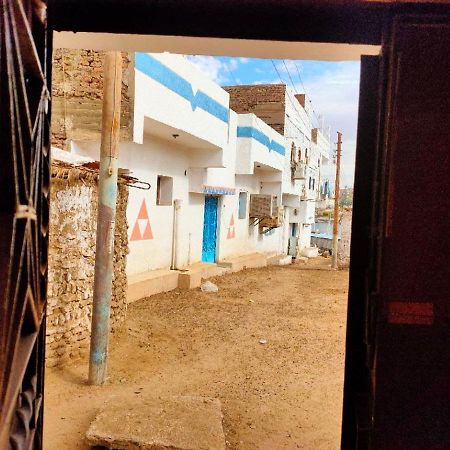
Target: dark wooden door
x=25, y=54
x=369, y=170
x=412, y=366
x=397, y=388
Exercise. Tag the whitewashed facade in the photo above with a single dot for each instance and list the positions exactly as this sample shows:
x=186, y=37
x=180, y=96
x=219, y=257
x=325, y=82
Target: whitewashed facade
x=194, y=151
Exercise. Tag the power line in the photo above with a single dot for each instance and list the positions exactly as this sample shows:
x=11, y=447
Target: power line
x=276, y=70
x=289, y=74
x=304, y=90
x=236, y=83
x=230, y=73
x=292, y=103
x=300, y=77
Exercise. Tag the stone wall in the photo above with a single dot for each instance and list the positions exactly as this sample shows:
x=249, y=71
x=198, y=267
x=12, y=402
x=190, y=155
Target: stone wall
x=73, y=218
x=77, y=92
x=267, y=101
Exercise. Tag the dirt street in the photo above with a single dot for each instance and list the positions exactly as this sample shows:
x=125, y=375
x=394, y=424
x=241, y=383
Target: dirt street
x=283, y=394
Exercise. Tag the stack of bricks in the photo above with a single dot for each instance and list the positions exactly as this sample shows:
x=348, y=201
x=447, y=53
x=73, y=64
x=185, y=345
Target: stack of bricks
x=72, y=240
x=77, y=92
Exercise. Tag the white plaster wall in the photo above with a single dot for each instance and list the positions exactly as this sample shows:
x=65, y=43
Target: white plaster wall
x=191, y=170
x=146, y=162
x=298, y=126
x=195, y=228
x=304, y=236
x=155, y=101
x=251, y=152
x=247, y=237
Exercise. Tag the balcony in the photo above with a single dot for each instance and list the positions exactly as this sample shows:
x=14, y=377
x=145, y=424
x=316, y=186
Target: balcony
x=259, y=147
x=175, y=101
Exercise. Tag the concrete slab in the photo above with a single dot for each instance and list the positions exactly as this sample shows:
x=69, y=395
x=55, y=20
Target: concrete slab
x=176, y=423
x=209, y=270
x=151, y=283
x=279, y=260
x=251, y=261
x=190, y=279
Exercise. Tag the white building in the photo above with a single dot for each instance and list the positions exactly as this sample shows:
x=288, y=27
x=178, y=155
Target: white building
x=204, y=163
x=307, y=156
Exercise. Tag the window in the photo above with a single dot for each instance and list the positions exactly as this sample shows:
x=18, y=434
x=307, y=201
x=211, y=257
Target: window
x=242, y=205
x=164, y=190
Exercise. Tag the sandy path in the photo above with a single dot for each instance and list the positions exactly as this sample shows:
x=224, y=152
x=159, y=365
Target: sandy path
x=286, y=394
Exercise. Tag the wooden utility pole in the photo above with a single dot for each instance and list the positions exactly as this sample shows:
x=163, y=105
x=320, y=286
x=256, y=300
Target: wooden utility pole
x=107, y=195
x=334, y=252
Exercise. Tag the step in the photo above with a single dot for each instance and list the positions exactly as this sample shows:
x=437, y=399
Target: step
x=150, y=283
x=192, y=277
x=279, y=260
x=251, y=261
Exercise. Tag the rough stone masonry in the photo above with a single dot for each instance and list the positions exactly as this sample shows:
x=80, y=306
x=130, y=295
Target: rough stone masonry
x=77, y=93
x=73, y=221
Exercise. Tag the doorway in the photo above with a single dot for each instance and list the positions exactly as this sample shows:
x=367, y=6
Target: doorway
x=209, y=248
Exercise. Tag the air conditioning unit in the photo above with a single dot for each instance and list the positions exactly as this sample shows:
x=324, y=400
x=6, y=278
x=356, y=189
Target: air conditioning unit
x=263, y=206
x=300, y=171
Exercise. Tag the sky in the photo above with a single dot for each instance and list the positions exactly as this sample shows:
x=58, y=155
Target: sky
x=331, y=86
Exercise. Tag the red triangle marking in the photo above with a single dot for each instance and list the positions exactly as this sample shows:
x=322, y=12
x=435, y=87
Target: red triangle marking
x=148, y=231
x=231, y=233
x=143, y=214
x=232, y=220
x=136, y=234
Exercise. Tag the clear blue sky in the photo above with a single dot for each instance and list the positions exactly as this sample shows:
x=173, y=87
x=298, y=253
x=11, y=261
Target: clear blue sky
x=331, y=86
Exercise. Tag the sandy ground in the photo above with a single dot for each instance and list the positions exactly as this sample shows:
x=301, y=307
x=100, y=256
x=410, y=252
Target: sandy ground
x=285, y=394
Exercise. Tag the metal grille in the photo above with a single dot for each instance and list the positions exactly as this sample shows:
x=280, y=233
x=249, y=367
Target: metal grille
x=24, y=213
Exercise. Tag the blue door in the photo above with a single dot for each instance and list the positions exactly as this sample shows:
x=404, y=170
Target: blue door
x=210, y=230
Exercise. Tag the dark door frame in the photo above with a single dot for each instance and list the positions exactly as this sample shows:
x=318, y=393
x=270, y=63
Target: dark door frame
x=339, y=21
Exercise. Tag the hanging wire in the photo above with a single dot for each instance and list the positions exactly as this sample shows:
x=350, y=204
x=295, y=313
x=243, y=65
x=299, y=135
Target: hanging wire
x=292, y=103
x=230, y=73
x=289, y=74
x=304, y=90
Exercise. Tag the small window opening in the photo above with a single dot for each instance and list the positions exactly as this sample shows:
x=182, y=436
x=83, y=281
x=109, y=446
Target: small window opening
x=243, y=205
x=164, y=190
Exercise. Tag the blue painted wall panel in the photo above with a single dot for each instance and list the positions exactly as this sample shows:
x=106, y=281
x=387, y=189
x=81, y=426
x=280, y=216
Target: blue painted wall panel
x=258, y=135
x=156, y=70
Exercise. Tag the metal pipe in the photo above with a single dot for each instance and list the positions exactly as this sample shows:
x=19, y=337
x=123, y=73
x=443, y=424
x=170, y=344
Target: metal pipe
x=334, y=254
x=176, y=208
x=107, y=196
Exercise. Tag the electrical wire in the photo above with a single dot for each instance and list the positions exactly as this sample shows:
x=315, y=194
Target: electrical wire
x=289, y=75
x=231, y=74
x=292, y=102
x=304, y=90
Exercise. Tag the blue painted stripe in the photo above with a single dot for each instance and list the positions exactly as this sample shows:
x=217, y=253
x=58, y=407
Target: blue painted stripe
x=156, y=70
x=251, y=132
